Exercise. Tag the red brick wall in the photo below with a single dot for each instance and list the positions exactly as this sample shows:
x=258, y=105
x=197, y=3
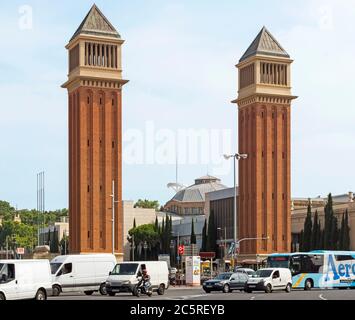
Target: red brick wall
x=264, y=178
x=95, y=159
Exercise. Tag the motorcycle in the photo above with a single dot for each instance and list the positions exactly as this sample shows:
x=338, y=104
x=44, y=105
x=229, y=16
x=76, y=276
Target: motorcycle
x=142, y=288
x=172, y=280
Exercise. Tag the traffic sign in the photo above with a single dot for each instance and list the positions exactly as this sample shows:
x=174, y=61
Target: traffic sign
x=181, y=249
x=20, y=251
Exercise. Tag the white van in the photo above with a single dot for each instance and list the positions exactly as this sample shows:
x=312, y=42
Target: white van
x=270, y=279
x=123, y=277
x=25, y=279
x=86, y=273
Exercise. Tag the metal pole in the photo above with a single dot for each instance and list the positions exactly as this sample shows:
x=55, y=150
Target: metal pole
x=133, y=247
x=37, y=214
x=7, y=247
x=235, y=210
x=225, y=243
x=113, y=216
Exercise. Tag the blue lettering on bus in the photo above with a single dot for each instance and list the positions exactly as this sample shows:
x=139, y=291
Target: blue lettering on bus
x=342, y=270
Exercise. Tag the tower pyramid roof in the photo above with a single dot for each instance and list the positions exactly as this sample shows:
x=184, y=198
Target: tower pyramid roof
x=265, y=44
x=95, y=23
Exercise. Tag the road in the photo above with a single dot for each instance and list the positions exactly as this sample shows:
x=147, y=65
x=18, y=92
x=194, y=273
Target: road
x=199, y=294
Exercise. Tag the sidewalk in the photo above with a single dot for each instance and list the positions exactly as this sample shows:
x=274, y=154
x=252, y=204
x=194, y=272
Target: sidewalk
x=184, y=287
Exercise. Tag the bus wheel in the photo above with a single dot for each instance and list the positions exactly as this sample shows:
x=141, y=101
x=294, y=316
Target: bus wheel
x=308, y=285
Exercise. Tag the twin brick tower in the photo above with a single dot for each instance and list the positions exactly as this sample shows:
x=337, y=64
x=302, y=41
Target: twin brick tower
x=95, y=141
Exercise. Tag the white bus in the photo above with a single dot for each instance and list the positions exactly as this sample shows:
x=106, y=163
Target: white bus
x=318, y=268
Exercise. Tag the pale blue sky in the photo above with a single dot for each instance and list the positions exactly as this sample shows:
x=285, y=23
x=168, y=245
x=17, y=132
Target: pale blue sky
x=179, y=57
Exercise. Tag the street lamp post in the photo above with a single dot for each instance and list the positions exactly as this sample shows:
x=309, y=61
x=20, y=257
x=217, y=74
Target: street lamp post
x=225, y=243
x=235, y=157
x=113, y=216
x=145, y=246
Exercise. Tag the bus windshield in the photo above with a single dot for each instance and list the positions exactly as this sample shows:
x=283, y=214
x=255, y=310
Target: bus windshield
x=126, y=269
x=278, y=262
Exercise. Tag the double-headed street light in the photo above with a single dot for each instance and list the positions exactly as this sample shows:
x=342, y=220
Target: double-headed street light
x=236, y=156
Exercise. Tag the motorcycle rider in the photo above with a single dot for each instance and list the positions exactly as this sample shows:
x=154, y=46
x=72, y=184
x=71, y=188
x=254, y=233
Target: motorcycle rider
x=144, y=280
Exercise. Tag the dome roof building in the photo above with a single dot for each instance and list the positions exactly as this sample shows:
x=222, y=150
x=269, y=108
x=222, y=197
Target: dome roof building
x=191, y=200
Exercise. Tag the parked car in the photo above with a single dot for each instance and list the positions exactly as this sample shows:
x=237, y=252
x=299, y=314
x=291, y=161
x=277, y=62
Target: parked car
x=86, y=273
x=226, y=282
x=25, y=279
x=269, y=279
x=123, y=277
x=249, y=272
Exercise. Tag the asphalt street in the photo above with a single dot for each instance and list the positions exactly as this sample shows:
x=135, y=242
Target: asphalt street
x=199, y=294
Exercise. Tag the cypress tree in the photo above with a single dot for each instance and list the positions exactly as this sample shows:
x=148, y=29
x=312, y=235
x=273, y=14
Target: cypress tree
x=193, y=235
x=212, y=233
x=342, y=233
x=301, y=241
x=204, y=237
x=162, y=236
x=315, y=232
x=307, y=230
x=328, y=223
x=346, y=238
x=334, y=233
x=134, y=223
x=320, y=236
x=156, y=224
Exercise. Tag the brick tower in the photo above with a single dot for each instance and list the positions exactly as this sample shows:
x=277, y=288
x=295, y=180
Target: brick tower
x=95, y=135
x=264, y=101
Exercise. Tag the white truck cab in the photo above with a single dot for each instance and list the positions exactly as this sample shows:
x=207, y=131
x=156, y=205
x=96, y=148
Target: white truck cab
x=270, y=279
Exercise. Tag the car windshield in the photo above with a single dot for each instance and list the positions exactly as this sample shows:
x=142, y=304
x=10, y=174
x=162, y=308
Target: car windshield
x=251, y=272
x=262, y=273
x=55, y=267
x=223, y=276
x=127, y=269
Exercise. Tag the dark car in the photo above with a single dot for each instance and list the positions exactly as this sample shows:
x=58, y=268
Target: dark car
x=226, y=282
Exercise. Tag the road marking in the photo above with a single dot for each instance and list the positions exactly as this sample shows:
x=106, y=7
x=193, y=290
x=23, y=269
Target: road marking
x=252, y=298
x=187, y=297
x=321, y=297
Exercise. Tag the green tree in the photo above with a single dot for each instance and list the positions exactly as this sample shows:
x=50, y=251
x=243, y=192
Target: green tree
x=156, y=224
x=334, y=234
x=145, y=233
x=147, y=204
x=212, y=233
x=315, y=232
x=346, y=237
x=307, y=230
x=341, y=233
x=204, y=237
x=193, y=235
x=329, y=224
x=301, y=241
x=134, y=223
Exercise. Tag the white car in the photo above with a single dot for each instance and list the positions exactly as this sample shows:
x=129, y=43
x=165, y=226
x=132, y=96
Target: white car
x=270, y=279
x=25, y=279
x=87, y=272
